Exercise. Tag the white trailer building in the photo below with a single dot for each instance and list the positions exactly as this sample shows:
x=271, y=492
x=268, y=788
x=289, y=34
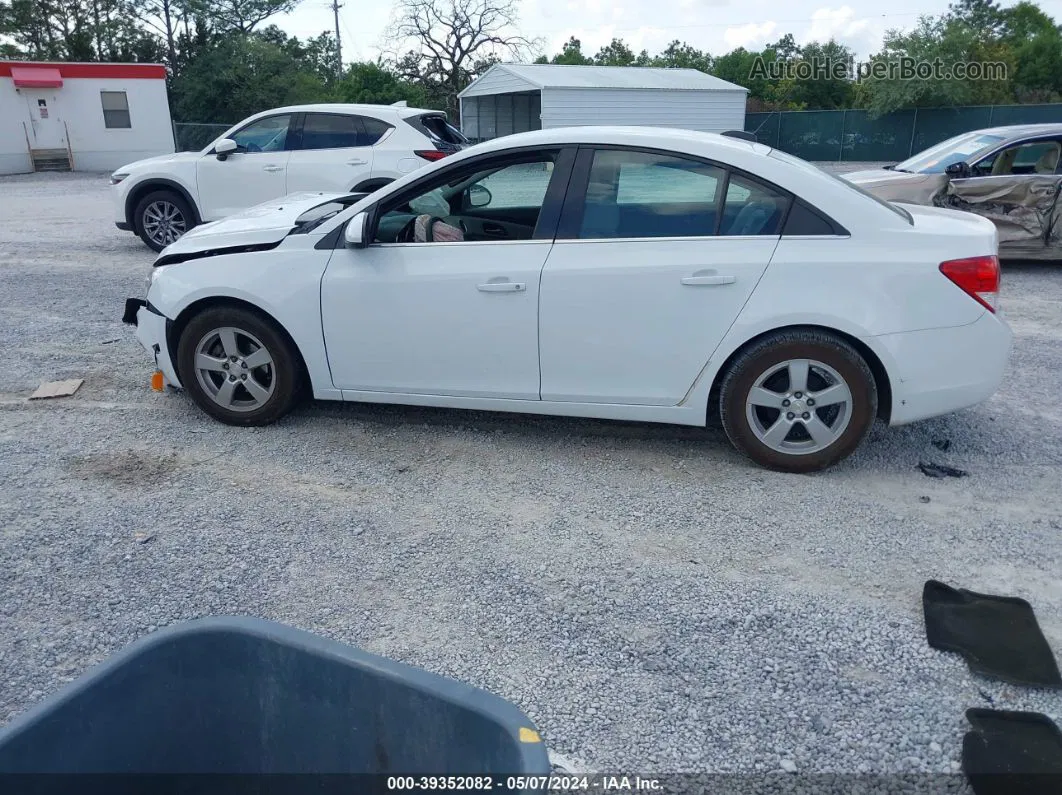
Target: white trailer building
x=81, y=116
x=512, y=98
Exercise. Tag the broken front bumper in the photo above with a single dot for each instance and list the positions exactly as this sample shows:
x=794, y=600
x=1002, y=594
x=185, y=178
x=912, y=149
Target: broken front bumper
x=151, y=328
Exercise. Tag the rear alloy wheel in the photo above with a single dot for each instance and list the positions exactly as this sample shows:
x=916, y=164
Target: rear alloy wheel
x=238, y=367
x=798, y=401
x=161, y=218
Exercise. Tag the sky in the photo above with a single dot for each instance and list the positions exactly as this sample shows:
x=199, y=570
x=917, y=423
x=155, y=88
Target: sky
x=717, y=26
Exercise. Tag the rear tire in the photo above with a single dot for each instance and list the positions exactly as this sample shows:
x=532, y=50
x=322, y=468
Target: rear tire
x=239, y=367
x=161, y=217
x=798, y=401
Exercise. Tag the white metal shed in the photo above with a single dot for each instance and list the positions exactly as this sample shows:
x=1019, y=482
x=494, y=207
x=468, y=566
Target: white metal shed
x=512, y=98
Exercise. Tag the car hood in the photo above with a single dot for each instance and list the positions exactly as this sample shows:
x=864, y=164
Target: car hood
x=263, y=224
x=154, y=162
x=898, y=185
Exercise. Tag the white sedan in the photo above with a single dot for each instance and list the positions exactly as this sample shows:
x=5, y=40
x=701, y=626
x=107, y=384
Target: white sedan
x=624, y=273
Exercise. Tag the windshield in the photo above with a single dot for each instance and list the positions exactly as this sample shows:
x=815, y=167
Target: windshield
x=315, y=216
x=954, y=150
x=804, y=164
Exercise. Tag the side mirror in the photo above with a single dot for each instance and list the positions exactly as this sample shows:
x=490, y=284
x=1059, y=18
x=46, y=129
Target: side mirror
x=478, y=196
x=960, y=169
x=224, y=148
x=354, y=234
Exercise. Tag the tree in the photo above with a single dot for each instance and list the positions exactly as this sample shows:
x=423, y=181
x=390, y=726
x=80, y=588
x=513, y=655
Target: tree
x=615, y=53
x=1036, y=43
x=240, y=75
x=679, y=55
x=570, y=55
x=77, y=30
x=376, y=84
x=828, y=89
x=448, y=39
x=241, y=16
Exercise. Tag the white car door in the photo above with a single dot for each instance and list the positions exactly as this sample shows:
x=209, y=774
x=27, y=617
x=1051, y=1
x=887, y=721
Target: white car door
x=654, y=259
x=332, y=152
x=256, y=172
x=457, y=318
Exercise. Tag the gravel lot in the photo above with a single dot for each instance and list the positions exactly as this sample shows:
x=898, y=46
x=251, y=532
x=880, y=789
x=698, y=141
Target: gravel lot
x=652, y=601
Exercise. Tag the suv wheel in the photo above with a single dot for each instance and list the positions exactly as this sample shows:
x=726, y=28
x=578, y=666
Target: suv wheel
x=161, y=217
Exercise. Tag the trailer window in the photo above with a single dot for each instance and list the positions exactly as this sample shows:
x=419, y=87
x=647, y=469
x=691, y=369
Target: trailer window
x=115, y=110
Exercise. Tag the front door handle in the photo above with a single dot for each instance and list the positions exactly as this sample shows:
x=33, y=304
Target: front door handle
x=357, y=162
x=272, y=169
x=502, y=287
x=708, y=278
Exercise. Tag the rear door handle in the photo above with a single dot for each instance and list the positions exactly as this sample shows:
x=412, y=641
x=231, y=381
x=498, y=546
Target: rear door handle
x=272, y=169
x=502, y=287
x=708, y=279
x=357, y=162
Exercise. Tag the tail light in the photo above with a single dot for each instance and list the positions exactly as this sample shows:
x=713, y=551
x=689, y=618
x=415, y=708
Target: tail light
x=430, y=154
x=978, y=277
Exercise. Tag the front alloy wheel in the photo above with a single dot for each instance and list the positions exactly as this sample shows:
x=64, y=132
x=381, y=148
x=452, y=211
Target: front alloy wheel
x=163, y=222
x=235, y=369
x=239, y=366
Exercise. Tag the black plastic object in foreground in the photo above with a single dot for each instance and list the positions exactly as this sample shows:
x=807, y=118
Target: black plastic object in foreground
x=998, y=635
x=1012, y=752
x=245, y=697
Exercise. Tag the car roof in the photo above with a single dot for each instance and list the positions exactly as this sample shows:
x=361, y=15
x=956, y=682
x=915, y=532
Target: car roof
x=399, y=111
x=1012, y=131
x=648, y=137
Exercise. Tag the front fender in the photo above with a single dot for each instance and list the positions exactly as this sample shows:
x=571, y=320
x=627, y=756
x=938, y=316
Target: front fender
x=284, y=283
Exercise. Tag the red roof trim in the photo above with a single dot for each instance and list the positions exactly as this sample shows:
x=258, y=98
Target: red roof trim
x=105, y=71
x=36, y=77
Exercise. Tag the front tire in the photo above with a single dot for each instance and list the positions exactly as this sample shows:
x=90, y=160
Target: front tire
x=238, y=367
x=161, y=217
x=798, y=401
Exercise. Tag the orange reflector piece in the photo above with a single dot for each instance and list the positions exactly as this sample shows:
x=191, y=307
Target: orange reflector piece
x=529, y=735
x=158, y=382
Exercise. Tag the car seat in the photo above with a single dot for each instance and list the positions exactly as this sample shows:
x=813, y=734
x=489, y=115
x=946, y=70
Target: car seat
x=754, y=218
x=1048, y=162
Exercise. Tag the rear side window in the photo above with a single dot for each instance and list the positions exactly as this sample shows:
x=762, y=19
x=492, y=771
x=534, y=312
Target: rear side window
x=374, y=130
x=751, y=208
x=330, y=131
x=644, y=194
x=802, y=220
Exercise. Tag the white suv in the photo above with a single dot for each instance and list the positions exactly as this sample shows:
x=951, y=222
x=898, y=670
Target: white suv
x=333, y=148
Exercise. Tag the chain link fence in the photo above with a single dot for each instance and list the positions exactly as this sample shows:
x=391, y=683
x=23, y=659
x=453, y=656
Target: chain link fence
x=852, y=135
x=193, y=137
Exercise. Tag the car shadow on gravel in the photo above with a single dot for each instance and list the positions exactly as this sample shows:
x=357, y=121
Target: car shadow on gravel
x=510, y=422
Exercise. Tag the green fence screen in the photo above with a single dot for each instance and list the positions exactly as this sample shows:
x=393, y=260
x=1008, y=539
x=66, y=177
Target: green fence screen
x=852, y=135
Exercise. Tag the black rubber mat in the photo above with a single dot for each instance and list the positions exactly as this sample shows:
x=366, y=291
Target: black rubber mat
x=998, y=635
x=1012, y=753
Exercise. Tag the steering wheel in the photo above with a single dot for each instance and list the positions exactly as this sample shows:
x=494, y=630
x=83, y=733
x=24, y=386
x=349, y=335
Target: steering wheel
x=407, y=233
x=253, y=147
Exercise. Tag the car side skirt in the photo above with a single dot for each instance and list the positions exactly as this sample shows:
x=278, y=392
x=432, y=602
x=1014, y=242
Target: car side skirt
x=674, y=415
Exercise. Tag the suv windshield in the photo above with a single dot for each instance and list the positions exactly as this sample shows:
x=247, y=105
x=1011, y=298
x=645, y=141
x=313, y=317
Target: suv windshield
x=954, y=150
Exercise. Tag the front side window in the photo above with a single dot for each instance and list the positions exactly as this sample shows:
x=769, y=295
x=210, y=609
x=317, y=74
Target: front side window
x=644, y=194
x=1035, y=157
x=265, y=135
x=480, y=203
x=115, y=110
x=330, y=131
